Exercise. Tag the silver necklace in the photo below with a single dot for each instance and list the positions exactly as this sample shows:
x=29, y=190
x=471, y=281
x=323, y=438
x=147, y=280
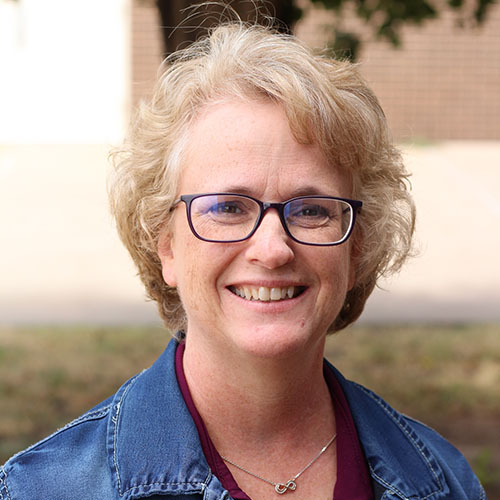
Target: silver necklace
x=291, y=484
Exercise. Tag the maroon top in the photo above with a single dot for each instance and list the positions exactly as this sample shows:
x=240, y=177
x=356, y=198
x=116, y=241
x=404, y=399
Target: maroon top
x=353, y=478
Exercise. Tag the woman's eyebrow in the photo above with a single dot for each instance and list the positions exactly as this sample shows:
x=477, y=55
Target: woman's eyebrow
x=240, y=189
x=308, y=190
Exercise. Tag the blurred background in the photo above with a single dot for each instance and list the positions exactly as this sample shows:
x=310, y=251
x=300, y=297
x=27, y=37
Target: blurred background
x=71, y=74
x=70, y=77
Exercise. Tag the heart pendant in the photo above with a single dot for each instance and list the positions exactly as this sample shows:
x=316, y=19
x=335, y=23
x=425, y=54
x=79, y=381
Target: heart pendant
x=283, y=488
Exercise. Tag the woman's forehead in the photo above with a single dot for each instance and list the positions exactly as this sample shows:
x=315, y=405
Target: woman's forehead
x=248, y=147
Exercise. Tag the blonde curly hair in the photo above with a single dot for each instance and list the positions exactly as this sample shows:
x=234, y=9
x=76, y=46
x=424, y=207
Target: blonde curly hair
x=326, y=102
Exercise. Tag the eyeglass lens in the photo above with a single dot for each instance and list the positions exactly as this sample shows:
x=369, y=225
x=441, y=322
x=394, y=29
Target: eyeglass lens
x=222, y=217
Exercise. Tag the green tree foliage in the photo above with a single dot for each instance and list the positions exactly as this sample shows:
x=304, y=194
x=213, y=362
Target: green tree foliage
x=385, y=18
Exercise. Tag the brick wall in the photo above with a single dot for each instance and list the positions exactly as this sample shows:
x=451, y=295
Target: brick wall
x=146, y=49
x=444, y=83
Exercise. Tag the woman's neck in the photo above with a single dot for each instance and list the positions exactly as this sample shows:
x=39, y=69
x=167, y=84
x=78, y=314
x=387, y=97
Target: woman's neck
x=255, y=400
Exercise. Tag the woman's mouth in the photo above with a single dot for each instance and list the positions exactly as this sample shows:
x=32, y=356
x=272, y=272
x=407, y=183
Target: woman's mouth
x=267, y=294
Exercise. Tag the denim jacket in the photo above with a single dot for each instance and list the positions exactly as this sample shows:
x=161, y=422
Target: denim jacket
x=142, y=442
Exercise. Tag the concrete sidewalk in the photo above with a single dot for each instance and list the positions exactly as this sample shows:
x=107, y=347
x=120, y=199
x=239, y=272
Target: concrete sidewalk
x=61, y=260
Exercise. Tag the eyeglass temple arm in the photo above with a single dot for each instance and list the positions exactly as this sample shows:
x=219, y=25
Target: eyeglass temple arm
x=175, y=204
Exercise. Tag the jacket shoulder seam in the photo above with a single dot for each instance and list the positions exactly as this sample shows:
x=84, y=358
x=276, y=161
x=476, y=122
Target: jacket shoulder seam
x=4, y=492
x=114, y=422
x=86, y=417
x=482, y=493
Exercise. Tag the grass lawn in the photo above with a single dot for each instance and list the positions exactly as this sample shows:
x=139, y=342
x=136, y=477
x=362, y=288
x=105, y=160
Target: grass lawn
x=447, y=377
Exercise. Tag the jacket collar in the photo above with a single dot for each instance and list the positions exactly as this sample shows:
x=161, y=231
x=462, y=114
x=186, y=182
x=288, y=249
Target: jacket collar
x=398, y=459
x=151, y=422
x=153, y=444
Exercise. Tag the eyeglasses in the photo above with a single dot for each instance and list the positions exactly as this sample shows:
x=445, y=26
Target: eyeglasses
x=310, y=220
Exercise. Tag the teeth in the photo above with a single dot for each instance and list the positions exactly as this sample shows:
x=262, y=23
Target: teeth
x=265, y=294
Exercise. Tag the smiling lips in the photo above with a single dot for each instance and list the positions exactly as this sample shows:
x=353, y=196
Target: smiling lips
x=266, y=294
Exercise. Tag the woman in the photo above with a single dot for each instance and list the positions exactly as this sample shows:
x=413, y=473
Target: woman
x=260, y=198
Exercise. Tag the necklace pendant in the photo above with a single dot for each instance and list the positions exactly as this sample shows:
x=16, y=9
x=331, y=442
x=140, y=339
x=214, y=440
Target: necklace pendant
x=281, y=488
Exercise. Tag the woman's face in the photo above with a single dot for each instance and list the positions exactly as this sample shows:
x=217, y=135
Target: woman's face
x=248, y=148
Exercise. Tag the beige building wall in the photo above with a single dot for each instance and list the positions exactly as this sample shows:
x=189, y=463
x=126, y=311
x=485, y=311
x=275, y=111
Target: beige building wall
x=444, y=83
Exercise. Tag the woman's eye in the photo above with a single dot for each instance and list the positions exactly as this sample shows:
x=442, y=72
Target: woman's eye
x=309, y=212
x=225, y=208
x=312, y=211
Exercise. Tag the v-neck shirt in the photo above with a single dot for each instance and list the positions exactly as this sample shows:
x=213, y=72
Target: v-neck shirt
x=353, y=478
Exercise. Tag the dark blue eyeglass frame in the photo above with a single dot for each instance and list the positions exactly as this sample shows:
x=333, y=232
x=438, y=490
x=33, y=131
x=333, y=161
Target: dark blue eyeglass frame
x=264, y=206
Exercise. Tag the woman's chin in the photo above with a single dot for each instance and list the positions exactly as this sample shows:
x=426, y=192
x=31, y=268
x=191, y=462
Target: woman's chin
x=276, y=342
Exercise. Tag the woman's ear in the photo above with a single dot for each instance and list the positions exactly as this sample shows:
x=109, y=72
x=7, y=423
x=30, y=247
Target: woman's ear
x=167, y=259
x=352, y=274
x=355, y=251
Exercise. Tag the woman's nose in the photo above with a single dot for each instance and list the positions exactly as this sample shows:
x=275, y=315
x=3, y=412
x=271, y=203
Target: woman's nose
x=269, y=246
